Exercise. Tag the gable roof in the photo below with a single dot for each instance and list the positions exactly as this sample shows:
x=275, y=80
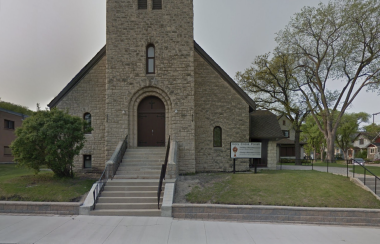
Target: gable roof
x=264, y=125
x=78, y=77
x=369, y=136
x=197, y=48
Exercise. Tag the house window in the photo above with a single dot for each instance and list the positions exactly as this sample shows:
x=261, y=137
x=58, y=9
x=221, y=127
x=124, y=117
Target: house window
x=283, y=122
x=87, y=118
x=87, y=161
x=150, y=59
x=372, y=151
x=9, y=124
x=361, y=141
x=217, y=136
x=142, y=4
x=7, y=151
x=286, y=133
x=157, y=4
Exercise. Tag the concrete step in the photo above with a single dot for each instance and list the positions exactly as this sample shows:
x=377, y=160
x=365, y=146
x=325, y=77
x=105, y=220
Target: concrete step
x=124, y=167
x=137, y=212
x=129, y=194
x=142, y=177
x=140, y=173
x=127, y=200
x=120, y=206
x=132, y=182
x=131, y=188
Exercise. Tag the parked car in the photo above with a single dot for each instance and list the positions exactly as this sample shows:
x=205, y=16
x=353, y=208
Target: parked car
x=358, y=161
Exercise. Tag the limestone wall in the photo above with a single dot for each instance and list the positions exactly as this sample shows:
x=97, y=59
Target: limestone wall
x=129, y=31
x=217, y=104
x=89, y=96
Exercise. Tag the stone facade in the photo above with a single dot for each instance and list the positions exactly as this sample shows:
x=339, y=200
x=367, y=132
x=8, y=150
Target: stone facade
x=217, y=104
x=89, y=96
x=170, y=30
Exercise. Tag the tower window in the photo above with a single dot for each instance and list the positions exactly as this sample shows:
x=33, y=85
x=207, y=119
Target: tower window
x=157, y=4
x=217, y=136
x=142, y=4
x=150, y=59
x=87, y=118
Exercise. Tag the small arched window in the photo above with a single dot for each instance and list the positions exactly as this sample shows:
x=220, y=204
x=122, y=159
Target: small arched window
x=87, y=118
x=217, y=136
x=150, y=59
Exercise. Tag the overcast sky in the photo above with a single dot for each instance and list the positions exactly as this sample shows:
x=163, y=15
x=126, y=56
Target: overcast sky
x=45, y=43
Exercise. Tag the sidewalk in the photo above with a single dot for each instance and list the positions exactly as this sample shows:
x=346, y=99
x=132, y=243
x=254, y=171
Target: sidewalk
x=106, y=230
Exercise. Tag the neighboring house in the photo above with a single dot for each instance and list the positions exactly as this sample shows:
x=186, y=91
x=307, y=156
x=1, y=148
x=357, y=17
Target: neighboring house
x=152, y=81
x=360, y=143
x=9, y=121
x=373, y=149
x=286, y=146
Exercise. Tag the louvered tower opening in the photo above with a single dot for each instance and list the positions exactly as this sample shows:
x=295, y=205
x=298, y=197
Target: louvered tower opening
x=157, y=4
x=143, y=4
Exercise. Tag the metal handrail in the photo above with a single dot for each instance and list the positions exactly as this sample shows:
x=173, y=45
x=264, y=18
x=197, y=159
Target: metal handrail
x=365, y=170
x=110, y=173
x=163, y=173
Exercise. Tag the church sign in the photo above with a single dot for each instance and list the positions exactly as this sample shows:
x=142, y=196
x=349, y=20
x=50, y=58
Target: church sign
x=245, y=150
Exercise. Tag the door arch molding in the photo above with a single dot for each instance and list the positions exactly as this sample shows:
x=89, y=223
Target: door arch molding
x=134, y=102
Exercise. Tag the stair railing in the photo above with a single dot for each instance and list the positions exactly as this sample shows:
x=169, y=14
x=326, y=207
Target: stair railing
x=365, y=173
x=110, y=169
x=163, y=172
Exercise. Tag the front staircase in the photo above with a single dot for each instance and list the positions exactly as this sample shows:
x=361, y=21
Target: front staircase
x=133, y=190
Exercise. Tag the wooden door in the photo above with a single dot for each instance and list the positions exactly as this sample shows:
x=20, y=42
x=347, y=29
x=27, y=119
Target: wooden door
x=151, y=122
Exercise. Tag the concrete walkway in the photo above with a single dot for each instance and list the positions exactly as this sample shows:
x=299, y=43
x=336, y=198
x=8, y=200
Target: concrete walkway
x=334, y=170
x=101, y=229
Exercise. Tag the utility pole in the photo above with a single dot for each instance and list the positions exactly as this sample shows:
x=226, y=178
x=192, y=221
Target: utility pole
x=373, y=117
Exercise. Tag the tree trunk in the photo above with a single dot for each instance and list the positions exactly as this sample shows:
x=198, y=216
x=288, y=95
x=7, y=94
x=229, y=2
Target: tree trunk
x=297, y=146
x=330, y=147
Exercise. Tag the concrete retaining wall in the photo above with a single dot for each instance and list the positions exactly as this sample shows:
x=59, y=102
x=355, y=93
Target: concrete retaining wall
x=326, y=216
x=59, y=208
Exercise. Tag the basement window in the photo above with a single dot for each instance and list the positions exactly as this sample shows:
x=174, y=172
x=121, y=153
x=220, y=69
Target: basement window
x=87, y=161
x=7, y=151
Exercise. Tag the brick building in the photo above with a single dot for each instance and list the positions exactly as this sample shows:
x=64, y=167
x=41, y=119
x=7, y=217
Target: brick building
x=152, y=80
x=9, y=121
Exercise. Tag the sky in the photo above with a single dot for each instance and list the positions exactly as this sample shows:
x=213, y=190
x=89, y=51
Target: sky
x=45, y=43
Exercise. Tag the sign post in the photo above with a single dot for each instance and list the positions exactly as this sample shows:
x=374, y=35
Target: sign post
x=245, y=150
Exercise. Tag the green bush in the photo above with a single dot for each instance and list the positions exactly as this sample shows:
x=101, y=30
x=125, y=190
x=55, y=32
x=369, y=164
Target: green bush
x=50, y=138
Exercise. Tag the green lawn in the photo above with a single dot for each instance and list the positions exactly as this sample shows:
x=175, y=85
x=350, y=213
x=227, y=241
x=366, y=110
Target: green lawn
x=286, y=188
x=20, y=184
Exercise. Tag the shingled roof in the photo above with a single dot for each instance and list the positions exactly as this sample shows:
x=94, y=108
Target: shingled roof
x=264, y=125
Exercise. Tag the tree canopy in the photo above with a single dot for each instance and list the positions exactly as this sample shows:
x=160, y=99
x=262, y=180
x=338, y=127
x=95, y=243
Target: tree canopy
x=50, y=138
x=16, y=108
x=337, y=50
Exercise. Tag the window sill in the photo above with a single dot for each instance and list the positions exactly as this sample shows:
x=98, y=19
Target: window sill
x=218, y=148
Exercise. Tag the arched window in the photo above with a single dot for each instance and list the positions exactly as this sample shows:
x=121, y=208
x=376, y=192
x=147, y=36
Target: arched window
x=217, y=136
x=87, y=118
x=150, y=59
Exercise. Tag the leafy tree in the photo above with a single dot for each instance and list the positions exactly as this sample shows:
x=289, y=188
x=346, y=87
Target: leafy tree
x=272, y=81
x=335, y=44
x=313, y=136
x=347, y=128
x=373, y=129
x=50, y=138
x=16, y=108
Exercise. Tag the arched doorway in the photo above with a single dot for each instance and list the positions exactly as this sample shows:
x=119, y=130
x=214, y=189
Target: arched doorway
x=151, y=122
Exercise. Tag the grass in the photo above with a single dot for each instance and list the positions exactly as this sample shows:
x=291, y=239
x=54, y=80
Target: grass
x=20, y=184
x=286, y=188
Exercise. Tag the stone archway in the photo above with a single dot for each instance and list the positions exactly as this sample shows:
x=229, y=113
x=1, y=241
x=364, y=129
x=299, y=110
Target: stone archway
x=133, y=112
x=151, y=122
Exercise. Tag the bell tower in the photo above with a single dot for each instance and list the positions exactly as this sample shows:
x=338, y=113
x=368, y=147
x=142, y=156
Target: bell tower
x=150, y=52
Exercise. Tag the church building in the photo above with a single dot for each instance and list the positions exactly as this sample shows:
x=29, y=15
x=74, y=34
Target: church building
x=152, y=80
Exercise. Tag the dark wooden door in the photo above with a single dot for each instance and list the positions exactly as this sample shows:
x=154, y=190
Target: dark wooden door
x=151, y=123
